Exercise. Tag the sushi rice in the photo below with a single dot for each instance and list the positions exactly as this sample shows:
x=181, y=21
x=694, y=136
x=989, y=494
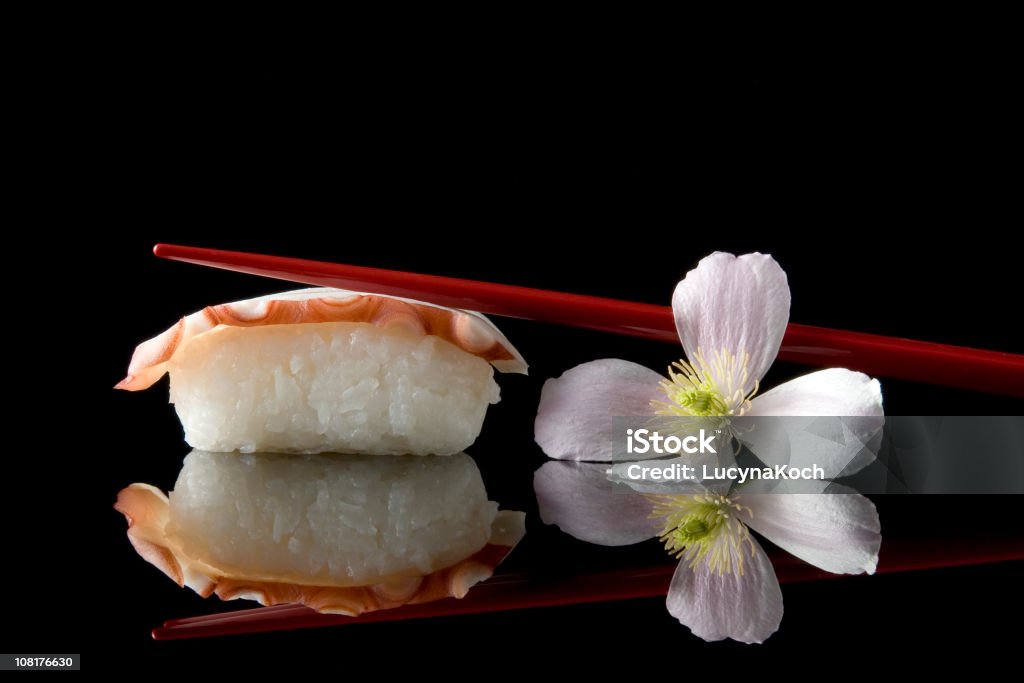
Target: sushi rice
x=344, y=387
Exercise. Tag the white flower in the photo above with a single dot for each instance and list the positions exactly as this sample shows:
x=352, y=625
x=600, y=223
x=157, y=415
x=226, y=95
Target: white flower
x=731, y=313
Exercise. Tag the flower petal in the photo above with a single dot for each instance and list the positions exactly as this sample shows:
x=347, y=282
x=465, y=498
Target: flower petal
x=579, y=499
x=574, y=419
x=835, y=391
x=734, y=304
x=832, y=418
x=838, y=532
x=746, y=607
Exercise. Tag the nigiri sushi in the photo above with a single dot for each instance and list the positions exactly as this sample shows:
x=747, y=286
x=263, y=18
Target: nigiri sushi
x=318, y=370
x=340, y=533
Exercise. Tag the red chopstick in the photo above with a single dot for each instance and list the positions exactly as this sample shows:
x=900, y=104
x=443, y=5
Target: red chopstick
x=954, y=366
x=519, y=591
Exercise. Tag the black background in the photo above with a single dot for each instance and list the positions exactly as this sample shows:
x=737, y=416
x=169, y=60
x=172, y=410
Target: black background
x=880, y=193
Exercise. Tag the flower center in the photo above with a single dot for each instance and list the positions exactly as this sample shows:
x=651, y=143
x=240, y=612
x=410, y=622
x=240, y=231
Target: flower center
x=705, y=388
x=701, y=402
x=706, y=527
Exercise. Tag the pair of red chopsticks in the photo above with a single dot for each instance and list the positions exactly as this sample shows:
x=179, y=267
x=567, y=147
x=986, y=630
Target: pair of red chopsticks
x=965, y=368
x=955, y=366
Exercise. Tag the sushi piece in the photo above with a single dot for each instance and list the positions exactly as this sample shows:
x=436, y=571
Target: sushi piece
x=327, y=370
x=343, y=534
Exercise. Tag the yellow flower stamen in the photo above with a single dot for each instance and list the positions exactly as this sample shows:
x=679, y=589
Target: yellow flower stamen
x=705, y=388
x=705, y=526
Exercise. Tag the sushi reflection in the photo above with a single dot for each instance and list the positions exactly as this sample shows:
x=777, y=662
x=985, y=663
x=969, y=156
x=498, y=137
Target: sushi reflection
x=342, y=534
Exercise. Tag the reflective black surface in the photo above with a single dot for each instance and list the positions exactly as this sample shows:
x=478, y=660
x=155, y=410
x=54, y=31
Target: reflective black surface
x=265, y=159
